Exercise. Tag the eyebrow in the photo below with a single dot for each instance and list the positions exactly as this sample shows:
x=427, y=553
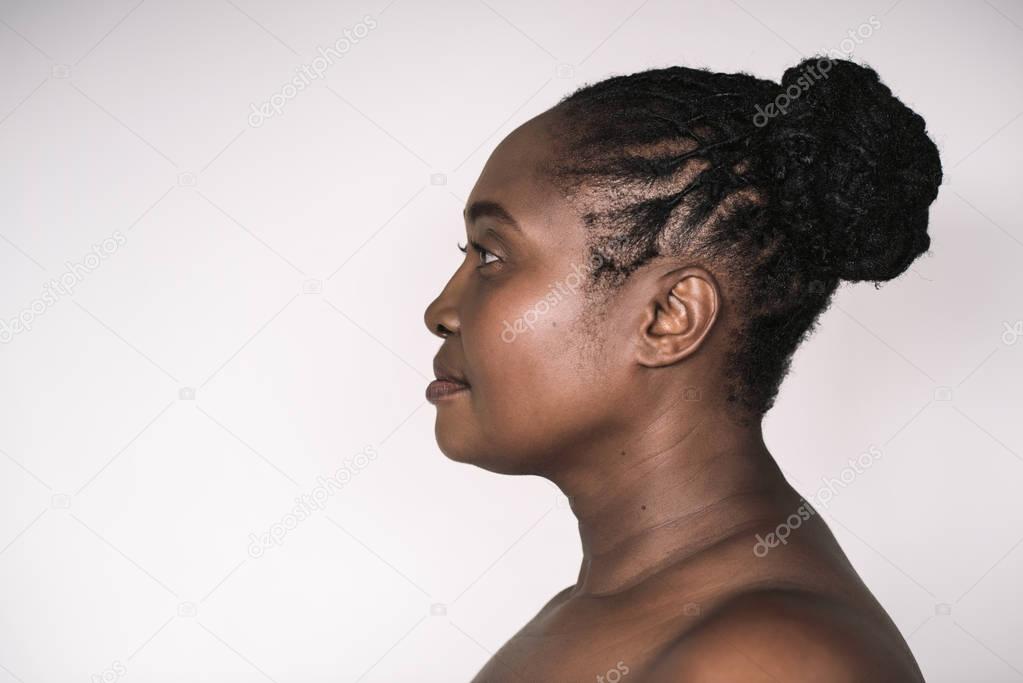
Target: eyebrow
x=486, y=207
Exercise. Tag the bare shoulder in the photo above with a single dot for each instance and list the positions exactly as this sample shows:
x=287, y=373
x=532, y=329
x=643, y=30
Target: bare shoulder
x=792, y=636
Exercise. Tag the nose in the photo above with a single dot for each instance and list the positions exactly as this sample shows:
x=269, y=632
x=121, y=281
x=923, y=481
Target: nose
x=441, y=315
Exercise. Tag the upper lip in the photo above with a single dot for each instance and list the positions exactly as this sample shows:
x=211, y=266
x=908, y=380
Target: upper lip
x=445, y=372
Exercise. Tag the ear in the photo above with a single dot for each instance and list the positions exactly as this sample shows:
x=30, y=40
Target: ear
x=678, y=317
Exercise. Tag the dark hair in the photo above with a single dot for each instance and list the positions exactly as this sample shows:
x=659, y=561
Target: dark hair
x=786, y=188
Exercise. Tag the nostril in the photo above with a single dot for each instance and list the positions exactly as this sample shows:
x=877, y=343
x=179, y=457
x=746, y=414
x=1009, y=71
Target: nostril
x=441, y=317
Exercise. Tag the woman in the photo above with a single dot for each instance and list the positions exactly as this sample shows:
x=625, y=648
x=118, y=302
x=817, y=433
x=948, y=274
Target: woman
x=643, y=259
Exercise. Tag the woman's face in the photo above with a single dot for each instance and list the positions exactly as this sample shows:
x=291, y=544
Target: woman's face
x=540, y=383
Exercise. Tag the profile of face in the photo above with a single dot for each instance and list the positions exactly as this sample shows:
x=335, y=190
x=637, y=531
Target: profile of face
x=539, y=373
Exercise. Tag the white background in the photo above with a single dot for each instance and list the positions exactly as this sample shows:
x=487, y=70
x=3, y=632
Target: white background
x=126, y=510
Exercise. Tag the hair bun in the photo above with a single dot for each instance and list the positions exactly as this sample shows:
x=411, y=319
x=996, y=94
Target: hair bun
x=852, y=168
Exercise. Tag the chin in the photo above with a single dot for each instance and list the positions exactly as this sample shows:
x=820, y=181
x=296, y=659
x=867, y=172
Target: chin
x=459, y=443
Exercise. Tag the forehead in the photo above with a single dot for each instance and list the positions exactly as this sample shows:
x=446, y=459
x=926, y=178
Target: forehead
x=513, y=178
x=518, y=156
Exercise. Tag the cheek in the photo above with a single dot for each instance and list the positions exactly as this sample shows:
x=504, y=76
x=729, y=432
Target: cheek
x=534, y=372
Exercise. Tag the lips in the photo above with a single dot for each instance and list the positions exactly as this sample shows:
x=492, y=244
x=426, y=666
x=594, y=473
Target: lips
x=449, y=383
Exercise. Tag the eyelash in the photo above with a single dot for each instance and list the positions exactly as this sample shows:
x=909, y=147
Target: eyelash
x=481, y=250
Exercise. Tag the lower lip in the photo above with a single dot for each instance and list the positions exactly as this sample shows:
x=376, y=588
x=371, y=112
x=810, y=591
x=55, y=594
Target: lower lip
x=440, y=389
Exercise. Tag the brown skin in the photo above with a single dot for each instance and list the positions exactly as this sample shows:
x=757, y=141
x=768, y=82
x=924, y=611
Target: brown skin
x=669, y=487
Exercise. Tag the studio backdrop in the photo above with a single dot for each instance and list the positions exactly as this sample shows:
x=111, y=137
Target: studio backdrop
x=221, y=223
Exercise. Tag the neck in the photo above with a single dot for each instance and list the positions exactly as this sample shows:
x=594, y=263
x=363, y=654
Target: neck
x=665, y=493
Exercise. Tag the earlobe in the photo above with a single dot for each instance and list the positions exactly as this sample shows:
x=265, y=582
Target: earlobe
x=678, y=317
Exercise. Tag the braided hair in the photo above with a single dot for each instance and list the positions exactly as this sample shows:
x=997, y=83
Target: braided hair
x=787, y=188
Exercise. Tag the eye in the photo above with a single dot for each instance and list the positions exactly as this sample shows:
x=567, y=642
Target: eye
x=486, y=256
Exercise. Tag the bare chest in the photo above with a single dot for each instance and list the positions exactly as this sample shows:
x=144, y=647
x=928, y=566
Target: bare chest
x=521, y=660
x=574, y=645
